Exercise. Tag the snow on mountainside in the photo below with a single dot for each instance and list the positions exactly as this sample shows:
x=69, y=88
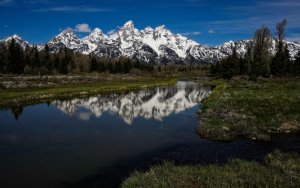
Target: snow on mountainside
x=241, y=47
x=150, y=45
x=69, y=39
x=17, y=39
x=94, y=39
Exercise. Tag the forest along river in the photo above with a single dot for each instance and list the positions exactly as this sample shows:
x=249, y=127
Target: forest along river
x=98, y=141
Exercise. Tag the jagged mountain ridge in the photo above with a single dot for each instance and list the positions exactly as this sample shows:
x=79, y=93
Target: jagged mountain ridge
x=151, y=45
x=18, y=40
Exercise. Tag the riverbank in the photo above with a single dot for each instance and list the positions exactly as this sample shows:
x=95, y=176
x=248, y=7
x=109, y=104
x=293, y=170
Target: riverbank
x=18, y=91
x=239, y=109
x=255, y=110
x=278, y=170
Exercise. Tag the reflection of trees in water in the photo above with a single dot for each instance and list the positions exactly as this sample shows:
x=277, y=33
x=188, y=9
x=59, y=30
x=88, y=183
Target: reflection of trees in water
x=17, y=111
x=150, y=104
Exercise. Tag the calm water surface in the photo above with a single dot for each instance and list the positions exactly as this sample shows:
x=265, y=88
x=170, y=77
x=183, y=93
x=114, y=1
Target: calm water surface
x=99, y=141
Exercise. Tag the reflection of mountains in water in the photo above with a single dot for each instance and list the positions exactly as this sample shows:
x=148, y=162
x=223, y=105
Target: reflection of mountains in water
x=151, y=103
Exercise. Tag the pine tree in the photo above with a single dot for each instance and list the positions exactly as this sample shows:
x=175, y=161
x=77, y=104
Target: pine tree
x=296, y=67
x=56, y=62
x=36, y=62
x=248, y=59
x=287, y=61
x=27, y=68
x=16, y=58
x=228, y=67
x=63, y=65
x=127, y=65
x=94, y=64
x=27, y=56
x=3, y=58
x=212, y=69
x=119, y=65
x=102, y=66
x=111, y=67
x=234, y=58
x=47, y=59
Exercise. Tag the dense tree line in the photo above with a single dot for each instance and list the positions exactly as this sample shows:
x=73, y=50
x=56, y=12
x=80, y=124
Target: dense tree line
x=258, y=61
x=15, y=60
x=119, y=65
x=31, y=60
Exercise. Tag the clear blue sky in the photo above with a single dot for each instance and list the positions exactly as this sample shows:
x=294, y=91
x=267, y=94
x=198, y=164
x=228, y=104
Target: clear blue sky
x=206, y=21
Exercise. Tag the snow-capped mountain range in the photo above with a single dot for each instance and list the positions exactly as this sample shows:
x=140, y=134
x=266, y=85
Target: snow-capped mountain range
x=150, y=45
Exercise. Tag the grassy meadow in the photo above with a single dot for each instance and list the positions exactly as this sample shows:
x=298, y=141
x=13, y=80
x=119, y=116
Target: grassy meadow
x=255, y=110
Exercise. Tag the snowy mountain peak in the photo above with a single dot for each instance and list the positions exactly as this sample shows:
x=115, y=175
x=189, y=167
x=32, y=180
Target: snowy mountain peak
x=148, y=29
x=129, y=24
x=162, y=31
x=17, y=39
x=97, y=33
x=93, y=40
x=97, y=30
x=161, y=27
x=69, y=39
x=127, y=36
x=69, y=32
x=15, y=36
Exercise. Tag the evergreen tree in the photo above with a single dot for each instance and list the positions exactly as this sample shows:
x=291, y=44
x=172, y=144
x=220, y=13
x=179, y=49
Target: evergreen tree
x=68, y=58
x=242, y=66
x=102, y=67
x=111, y=67
x=127, y=65
x=56, y=62
x=235, y=60
x=248, y=59
x=119, y=66
x=296, y=67
x=27, y=68
x=47, y=59
x=36, y=62
x=137, y=64
x=228, y=67
x=16, y=58
x=94, y=64
x=287, y=62
x=3, y=58
x=27, y=56
x=212, y=69
x=63, y=65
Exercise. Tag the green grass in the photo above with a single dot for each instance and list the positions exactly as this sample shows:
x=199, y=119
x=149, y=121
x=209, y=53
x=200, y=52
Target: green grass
x=256, y=110
x=278, y=170
x=15, y=97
